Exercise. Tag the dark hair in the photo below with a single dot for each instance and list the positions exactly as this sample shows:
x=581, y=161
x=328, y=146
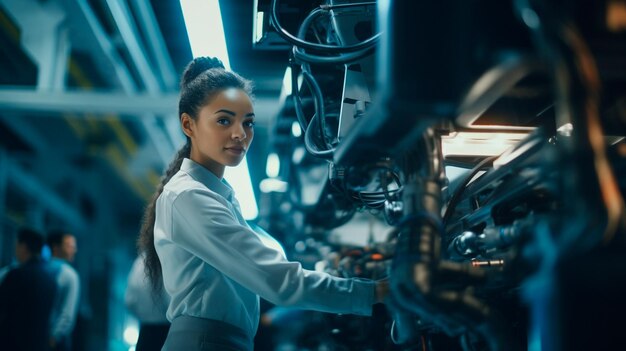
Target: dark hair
x=203, y=79
x=55, y=237
x=33, y=240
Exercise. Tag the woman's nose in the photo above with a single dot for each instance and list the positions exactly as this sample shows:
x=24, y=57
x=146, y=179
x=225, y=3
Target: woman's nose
x=239, y=134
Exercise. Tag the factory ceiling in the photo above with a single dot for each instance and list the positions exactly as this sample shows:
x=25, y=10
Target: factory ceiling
x=88, y=101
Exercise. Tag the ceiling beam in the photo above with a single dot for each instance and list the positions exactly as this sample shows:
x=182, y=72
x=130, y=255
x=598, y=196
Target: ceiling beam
x=33, y=101
x=155, y=43
x=91, y=37
x=39, y=192
x=131, y=40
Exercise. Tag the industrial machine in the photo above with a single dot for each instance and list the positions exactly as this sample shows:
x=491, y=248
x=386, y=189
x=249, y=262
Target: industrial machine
x=471, y=152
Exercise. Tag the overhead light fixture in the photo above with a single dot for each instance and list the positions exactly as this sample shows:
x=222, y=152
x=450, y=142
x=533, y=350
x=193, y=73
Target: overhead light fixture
x=272, y=167
x=203, y=20
x=479, y=143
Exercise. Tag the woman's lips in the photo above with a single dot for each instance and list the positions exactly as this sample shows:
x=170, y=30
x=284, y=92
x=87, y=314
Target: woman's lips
x=236, y=150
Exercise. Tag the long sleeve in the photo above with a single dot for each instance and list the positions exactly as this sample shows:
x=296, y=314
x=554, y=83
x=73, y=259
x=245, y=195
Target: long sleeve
x=204, y=224
x=139, y=299
x=64, y=316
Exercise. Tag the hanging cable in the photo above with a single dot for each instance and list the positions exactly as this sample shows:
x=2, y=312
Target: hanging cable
x=309, y=143
x=354, y=4
x=302, y=56
x=295, y=95
x=320, y=110
x=461, y=187
x=290, y=38
x=307, y=58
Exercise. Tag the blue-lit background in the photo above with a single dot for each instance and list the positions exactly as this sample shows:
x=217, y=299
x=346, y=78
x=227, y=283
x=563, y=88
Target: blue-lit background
x=88, y=122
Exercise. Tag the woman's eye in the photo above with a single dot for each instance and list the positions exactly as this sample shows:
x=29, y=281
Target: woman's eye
x=249, y=124
x=223, y=121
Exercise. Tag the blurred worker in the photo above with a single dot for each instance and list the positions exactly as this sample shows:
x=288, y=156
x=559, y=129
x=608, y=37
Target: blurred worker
x=149, y=308
x=62, y=245
x=213, y=265
x=28, y=293
x=63, y=248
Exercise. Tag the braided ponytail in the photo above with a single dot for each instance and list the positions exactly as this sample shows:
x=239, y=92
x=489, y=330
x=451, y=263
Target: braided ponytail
x=145, y=243
x=202, y=79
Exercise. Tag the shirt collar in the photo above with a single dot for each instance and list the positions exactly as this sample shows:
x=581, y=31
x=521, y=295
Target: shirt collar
x=206, y=177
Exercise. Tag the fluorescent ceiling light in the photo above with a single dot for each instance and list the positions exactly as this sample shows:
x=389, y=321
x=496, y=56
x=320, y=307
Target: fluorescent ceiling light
x=203, y=21
x=479, y=144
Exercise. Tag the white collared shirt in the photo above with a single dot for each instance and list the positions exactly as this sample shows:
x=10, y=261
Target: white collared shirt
x=67, y=299
x=139, y=299
x=215, y=266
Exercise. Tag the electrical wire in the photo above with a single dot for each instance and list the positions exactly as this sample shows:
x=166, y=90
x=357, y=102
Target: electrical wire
x=290, y=38
x=377, y=199
x=307, y=58
x=320, y=110
x=309, y=143
x=354, y=4
x=302, y=56
x=295, y=94
x=318, y=97
x=299, y=56
x=461, y=188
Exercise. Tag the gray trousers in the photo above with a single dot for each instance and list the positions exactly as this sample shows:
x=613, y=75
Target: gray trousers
x=200, y=334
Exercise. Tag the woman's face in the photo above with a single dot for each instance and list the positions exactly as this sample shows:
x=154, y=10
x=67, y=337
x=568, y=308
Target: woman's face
x=222, y=131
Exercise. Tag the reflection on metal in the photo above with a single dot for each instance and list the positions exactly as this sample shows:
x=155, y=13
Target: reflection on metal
x=479, y=144
x=355, y=96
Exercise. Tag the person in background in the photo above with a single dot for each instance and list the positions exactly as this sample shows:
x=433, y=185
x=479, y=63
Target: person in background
x=28, y=293
x=63, y=248
x=213, y=265
x=149, y=308
x=62, y=245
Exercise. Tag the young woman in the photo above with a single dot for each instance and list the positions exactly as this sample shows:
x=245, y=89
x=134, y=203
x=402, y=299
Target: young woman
x=213, y=266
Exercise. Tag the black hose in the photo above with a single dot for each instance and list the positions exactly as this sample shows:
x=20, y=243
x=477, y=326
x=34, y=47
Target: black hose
x=295, y=94
x=290, y=38
x=306, y=58
x=302, y=56
x=309, y=144
x=459, y=189
x=320, y=110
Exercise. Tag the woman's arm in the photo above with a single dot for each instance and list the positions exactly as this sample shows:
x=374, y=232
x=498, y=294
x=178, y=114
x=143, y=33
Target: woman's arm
x=203, y=224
